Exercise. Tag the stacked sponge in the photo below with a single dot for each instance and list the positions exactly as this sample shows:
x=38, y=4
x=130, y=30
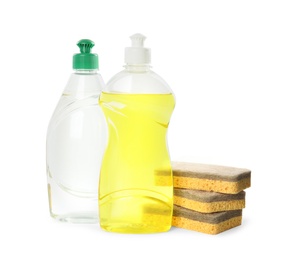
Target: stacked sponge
x=208, y=198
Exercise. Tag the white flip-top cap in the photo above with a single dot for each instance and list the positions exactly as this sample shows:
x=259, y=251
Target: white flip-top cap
x=137, y=54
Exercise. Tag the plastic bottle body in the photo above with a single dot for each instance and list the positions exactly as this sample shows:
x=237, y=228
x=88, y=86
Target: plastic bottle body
x=136, y=187
x=76, y=139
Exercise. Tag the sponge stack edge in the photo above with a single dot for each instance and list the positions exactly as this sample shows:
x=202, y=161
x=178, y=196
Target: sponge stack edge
x=208, y=198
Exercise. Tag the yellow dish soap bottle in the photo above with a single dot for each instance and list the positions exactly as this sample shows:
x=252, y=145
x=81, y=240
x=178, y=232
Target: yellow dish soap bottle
x=136, y=183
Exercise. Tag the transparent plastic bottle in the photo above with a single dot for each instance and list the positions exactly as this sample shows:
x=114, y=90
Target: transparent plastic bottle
x=76, y=139
x=136, y=186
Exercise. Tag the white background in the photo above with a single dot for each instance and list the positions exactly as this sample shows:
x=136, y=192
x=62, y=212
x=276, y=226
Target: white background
x=230, y=65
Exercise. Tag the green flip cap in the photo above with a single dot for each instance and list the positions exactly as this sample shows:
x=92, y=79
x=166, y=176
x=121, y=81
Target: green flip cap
x=85, y=59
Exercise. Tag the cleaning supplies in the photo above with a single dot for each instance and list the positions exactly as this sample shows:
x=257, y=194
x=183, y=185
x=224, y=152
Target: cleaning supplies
x=136, y=188
x=76, y=139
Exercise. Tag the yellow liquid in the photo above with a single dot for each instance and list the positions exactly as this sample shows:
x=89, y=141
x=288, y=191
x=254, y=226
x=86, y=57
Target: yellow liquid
x=136, y=186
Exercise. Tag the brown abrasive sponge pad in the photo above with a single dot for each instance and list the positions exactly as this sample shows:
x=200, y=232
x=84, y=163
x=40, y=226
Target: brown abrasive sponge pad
x=207, y=202
x=208, y=177
x=209, y=223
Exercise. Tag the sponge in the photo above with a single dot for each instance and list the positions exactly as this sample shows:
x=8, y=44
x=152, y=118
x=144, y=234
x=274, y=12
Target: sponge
x=207, y=202
x=217, y=178
x=209, y=223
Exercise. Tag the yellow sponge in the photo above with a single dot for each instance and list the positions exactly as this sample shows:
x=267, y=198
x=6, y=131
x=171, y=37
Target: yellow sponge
x=207, y=202
x=207, y=177
x=209, y=223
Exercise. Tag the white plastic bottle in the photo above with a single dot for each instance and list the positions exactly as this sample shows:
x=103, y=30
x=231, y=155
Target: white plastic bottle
x=136, y=184
x=76, y=139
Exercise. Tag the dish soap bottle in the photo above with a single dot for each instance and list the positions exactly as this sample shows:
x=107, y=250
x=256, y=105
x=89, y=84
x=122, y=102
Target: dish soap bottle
x=136, y=187
x=76, y=139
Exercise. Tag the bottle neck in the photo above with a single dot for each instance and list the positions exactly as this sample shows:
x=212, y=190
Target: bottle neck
x=137, y=67
x=84, y=83
x=85, y=72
